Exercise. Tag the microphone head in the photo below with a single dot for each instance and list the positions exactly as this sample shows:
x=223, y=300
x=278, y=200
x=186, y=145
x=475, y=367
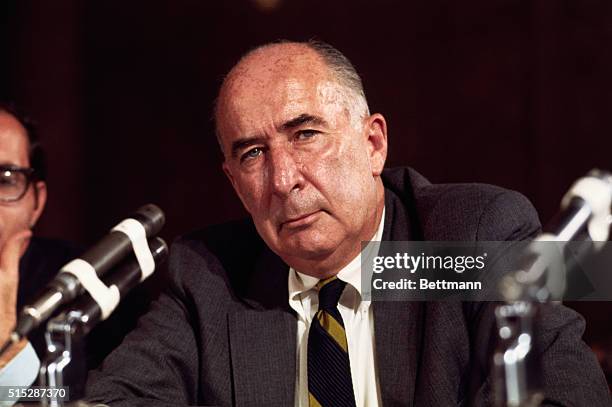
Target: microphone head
x=151, y=217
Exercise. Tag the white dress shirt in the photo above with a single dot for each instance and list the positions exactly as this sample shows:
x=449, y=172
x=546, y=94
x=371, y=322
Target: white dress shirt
x=358, y=324
x=22, y=370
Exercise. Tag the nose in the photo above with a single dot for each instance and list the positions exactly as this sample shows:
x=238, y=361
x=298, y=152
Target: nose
x=285, y=172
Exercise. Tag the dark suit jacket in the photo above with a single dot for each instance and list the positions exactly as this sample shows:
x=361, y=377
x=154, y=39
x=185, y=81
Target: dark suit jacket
x=224, y=334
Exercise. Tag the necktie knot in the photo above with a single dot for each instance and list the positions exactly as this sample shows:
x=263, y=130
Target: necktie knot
x=330, y=291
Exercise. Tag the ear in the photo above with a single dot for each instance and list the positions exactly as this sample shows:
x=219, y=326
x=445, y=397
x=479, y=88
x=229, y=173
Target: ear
x=376, y=132
x=41, y=199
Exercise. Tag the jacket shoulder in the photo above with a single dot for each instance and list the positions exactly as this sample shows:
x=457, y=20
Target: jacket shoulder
x=469, y=211
x=223, y=240
x=220, y=256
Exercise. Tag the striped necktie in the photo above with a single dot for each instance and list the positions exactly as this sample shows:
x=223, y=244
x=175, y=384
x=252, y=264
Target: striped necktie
x=329, y=369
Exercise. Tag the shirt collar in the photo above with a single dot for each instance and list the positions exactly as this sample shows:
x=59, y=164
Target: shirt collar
x=351, y=273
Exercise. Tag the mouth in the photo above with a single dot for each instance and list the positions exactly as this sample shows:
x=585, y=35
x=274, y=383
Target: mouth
x=300, y=221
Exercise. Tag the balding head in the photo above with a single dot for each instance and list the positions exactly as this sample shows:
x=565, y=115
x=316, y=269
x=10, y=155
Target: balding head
x=270, y=63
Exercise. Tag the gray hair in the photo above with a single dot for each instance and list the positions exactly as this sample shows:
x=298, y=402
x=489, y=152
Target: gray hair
x=342, y=70
x=345, y=73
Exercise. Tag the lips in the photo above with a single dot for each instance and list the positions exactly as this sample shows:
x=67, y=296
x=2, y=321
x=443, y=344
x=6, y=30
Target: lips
x=300, y=220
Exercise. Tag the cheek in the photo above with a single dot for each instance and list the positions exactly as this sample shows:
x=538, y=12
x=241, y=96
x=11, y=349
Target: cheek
x=14, y=218
x=250, y=189
x=349, y=168
x=348, y=182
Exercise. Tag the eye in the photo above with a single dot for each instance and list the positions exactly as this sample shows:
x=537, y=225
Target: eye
x=306, y=134
x=7, y=178
x=252, y=153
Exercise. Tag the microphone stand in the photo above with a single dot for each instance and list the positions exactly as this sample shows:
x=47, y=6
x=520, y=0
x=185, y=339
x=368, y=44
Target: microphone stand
x=59, y=338
x=585, y=215
x=82, y=316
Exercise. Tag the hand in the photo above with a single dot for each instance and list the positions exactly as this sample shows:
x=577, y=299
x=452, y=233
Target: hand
x=9, y=281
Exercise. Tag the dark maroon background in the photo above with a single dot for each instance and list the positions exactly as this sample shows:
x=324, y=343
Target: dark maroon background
x=511, y=92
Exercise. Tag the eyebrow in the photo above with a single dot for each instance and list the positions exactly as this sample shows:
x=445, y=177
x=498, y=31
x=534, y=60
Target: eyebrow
x=303, y=119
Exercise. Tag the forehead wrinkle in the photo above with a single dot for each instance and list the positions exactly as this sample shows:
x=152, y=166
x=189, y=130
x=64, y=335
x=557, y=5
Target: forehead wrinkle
x=293, y=96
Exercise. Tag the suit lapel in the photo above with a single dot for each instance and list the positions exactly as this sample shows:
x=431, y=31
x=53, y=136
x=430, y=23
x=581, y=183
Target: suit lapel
x=397, y=323
x=263, y=339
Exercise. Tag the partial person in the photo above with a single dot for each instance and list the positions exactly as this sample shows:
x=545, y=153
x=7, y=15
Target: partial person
x=25, y=262
x=28, y=263
x=269, y=311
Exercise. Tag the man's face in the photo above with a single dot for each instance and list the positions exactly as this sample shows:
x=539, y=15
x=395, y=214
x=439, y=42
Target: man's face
x=304, y=168
x=22, y=214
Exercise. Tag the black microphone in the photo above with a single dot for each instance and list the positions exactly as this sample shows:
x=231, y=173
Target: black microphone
x=582, y=219
x=103, y=256
x=125, y=277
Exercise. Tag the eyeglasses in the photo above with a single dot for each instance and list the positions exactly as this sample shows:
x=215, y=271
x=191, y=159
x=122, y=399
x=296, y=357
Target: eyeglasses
x=14, y=182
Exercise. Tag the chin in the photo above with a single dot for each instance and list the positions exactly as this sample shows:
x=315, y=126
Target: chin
x=309, y=249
